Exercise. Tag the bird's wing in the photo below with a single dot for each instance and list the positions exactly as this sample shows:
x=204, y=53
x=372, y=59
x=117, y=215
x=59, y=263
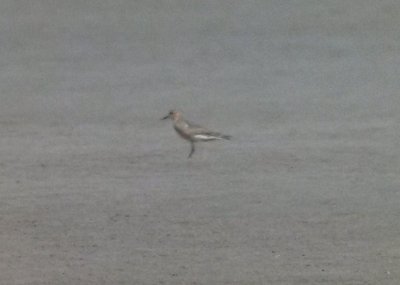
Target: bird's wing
x=197, y=129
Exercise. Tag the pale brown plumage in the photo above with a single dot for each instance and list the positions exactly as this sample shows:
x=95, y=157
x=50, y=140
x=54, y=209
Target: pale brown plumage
x=192, y=132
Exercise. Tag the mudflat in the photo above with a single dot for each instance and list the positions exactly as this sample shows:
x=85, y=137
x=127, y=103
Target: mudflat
x=96, y=189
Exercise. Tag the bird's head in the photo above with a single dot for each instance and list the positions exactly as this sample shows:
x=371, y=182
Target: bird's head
x=172, y=115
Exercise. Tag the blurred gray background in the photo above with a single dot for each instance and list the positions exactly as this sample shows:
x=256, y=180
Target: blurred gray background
x=95, y=189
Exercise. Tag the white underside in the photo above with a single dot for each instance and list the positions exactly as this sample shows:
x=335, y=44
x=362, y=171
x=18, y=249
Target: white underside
x=205, y=137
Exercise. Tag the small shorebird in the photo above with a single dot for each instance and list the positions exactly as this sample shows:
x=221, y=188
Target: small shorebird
x=191, y=132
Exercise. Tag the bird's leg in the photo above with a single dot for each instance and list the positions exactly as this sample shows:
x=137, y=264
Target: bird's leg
x=191, y=149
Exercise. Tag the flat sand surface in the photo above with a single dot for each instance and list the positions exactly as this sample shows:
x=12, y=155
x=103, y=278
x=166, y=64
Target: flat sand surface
x=95, y=189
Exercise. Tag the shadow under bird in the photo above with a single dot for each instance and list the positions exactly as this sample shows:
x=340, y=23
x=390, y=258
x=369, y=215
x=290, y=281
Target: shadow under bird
x=192, y=132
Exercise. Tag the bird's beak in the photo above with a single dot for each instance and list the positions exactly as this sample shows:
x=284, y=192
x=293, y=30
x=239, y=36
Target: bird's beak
x=166, y=117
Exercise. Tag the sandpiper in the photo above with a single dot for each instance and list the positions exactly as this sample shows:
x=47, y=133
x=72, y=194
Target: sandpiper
x=192, y=132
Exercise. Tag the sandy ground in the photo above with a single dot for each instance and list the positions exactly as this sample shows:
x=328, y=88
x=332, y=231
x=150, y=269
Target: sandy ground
x=95, y=189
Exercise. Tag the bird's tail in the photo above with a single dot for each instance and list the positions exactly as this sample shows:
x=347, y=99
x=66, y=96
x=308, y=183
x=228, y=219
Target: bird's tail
x=217, y=136
x=226, y=137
